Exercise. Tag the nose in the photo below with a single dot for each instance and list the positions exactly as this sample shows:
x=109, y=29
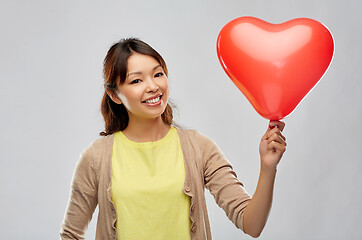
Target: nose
x=151, y=86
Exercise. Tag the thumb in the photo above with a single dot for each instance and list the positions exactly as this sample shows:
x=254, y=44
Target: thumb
x=279, y=124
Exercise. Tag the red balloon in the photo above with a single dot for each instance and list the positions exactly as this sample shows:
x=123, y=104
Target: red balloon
x=275, y=65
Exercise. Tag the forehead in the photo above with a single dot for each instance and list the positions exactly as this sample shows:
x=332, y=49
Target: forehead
x=140, y=62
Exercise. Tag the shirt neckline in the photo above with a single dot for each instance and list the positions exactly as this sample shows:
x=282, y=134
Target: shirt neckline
x=157, y=143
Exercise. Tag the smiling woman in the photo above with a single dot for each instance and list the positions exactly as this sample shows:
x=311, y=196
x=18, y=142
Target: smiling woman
x=128, y=66
x=147, y=175
x=144, y=93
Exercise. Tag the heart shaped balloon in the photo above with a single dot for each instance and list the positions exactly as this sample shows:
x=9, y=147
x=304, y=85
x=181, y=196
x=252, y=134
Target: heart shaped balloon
x=275, y=65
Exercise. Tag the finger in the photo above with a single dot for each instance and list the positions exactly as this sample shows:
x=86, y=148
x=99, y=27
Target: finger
x=265, y=136
x=275, y=146
x=279, y=124
x=275, y=131
x=277, y=138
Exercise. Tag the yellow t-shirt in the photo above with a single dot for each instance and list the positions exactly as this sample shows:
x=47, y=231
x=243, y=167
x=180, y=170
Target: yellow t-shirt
x=147, y=182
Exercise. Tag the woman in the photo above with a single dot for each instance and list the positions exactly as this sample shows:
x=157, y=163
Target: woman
x=148, y=176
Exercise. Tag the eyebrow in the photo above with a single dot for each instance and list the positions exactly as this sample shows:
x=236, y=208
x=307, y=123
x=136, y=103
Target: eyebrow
x=137, y=73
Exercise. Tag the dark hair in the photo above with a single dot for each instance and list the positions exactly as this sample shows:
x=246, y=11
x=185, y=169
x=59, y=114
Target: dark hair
x=115, y=72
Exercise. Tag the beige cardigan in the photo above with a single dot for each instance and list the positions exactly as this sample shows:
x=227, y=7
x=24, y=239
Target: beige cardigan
x=205, y=166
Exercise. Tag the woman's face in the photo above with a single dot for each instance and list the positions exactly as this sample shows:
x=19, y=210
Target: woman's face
x=145, y=91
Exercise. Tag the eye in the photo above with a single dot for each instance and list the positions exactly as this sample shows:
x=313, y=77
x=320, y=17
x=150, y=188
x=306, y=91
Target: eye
x=136, y=81
x=160, y=74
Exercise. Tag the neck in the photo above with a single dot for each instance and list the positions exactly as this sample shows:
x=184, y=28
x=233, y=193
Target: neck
x=146, y=130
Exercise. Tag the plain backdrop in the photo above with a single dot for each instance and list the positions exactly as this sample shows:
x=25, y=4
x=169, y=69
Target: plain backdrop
x=51, y=87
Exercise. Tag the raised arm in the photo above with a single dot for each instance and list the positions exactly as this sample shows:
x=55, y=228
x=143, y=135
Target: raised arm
x=83, y=198
x=272, y=147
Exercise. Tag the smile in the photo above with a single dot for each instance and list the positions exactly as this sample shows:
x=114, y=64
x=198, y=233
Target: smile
x=154, y=100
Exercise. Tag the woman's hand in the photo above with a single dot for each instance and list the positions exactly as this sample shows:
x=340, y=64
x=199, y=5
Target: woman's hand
x=272, y=146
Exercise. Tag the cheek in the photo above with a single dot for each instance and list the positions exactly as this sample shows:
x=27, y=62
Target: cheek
x=127, y=99
x=130, y=95
x=165, y=86
x=167, y=92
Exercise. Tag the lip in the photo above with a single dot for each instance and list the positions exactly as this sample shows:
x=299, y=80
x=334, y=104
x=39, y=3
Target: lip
x=156, y=96
x=155, y=104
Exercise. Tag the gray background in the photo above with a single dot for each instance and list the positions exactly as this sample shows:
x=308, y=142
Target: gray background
x=51, y=87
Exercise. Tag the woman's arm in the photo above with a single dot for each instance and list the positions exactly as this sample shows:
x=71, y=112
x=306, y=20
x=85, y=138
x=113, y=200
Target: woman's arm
x=83, y=198
x=222, y=181
x=272, y=147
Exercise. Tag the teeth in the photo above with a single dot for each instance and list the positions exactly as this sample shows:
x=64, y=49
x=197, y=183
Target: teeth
x=153, y=100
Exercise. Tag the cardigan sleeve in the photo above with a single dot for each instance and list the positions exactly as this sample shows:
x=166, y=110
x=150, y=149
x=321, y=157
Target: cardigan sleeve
x=222, y=182
x=83, y=198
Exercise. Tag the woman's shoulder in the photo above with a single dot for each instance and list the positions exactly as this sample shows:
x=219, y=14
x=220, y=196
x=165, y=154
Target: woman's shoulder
x=99, y=146
x=96, y=153
x=102, y=141
x=194, y=136
x=198, y=144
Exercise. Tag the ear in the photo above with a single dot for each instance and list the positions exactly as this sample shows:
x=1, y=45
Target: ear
x=113, y=95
